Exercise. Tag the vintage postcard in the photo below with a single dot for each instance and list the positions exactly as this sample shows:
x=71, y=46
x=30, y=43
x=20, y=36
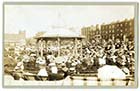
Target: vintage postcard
x=67, y=44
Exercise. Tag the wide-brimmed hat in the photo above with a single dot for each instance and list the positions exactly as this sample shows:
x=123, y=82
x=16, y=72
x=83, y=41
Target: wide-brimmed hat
x=52, y=64
x=33, y=55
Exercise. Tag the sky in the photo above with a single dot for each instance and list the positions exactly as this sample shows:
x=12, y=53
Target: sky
x=35, y=18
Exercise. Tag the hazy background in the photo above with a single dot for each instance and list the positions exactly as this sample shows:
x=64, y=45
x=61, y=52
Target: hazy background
x=34, y=18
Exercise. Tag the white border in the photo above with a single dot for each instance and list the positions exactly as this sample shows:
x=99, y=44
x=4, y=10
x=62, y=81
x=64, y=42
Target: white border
x=2, y=89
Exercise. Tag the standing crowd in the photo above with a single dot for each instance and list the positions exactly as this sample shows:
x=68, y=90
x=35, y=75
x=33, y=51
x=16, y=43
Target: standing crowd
x=95, y=54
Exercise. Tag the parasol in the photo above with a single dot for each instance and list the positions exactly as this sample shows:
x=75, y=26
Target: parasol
x=109, y=72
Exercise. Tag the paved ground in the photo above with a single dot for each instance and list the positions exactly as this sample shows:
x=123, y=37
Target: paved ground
x=92, y=81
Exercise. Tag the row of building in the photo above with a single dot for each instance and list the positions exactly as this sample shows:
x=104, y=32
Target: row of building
x=20, y=39
x=11, y=39
x=115, y=30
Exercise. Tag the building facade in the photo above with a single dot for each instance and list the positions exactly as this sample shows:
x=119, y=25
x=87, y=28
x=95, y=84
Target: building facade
x=115, y=30
x=118, y=30
x=90, y=32
x=15, y=39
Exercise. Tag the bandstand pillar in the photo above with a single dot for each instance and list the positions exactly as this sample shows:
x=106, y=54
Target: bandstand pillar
x=58, y=44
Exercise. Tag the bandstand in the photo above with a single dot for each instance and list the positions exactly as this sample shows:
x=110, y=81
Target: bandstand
x=61, y=42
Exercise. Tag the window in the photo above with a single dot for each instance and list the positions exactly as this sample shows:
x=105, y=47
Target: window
x=125, y=29
x=130, y=33
x=109, y=26
x=112, y=31
x=130, y=23
x=106, y=27
x=112, y=35
x=126, y=23
x=112, y=26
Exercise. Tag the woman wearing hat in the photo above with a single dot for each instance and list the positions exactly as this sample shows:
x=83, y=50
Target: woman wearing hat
x=42, y=74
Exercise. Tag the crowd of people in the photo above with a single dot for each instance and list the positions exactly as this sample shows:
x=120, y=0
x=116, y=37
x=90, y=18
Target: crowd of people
x=95, y=54
x=111, y=52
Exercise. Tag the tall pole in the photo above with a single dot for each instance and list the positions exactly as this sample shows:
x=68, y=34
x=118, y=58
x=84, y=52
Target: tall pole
x=81, y=49
x=76, y=46
x=37, y=46
x=41, y=50
x=58, y=44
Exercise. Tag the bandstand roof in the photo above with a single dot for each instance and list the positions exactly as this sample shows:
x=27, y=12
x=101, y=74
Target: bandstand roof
x=61, y=33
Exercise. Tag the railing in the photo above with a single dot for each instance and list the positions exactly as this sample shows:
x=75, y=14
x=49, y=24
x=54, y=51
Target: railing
x=95, y=81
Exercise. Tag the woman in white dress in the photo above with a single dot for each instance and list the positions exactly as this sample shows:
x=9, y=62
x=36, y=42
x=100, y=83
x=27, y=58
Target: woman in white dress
x=42, y=65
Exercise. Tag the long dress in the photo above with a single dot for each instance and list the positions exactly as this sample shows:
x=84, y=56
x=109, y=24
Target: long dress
x=42, y=71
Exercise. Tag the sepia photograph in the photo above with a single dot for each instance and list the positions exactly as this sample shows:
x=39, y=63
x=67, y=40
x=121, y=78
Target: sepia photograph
x=67, y=44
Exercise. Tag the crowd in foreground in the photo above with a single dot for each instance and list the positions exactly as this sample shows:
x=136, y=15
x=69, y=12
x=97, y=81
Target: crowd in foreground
x=95, y=54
